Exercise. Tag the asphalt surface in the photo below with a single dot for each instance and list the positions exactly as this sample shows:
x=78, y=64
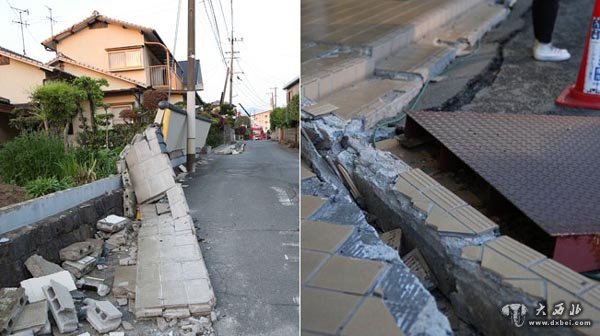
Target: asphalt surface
x=523, y=85
x=246, y=211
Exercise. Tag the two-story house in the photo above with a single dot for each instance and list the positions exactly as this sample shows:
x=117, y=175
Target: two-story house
x=130, y=57
x=19, y=75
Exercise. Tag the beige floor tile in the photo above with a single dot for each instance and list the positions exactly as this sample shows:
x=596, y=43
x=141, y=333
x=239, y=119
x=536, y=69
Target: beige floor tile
x=505, y=267
x=324, y=237
x=444, y=198
x=444, y=222
x=472, y=252
x=419, y=179
x=310, y=204
x=372, y=318
x=324, y=311
x=311, y=260
x=536, y=288
x=305, y=172
x=348, y=275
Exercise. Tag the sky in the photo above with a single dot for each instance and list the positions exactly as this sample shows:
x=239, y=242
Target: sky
x=269, y=54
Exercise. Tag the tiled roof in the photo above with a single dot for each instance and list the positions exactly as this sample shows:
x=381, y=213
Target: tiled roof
x=25, y=59
x=96, y=16
x=63, y=58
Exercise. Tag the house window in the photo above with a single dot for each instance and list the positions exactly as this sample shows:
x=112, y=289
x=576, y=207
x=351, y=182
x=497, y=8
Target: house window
x=4, y=60
x=125, y=59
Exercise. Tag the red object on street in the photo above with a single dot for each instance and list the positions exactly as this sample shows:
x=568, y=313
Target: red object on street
x=586, y=91
x=257, y=133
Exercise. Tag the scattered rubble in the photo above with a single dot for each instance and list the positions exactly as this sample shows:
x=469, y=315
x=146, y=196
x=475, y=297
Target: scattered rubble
x=62, y=306
x=34, y=319
x=33, y=287
x=96, y=284
x=233, y=149
x=80, y=267
x=12, y=302
x=38, y=266
x=112, y=224
x=102, y=315
x=76, y=251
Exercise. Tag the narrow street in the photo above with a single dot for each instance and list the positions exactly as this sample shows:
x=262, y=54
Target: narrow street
x=245, y=208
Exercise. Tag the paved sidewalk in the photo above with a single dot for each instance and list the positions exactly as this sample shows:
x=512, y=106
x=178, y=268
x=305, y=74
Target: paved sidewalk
x=245, y=208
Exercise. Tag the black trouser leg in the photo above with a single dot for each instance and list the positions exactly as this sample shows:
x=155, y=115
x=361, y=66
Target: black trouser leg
x=544, y=17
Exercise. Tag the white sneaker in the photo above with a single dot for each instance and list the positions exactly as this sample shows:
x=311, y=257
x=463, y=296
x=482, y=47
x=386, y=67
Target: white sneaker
x=550, y=53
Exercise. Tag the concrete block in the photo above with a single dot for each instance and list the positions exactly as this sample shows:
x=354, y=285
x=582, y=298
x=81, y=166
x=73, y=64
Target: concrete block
x=34, y=317
x=96, y=284
x=33, y=287
x=62, y=306
x=80, y=267
x=112, y=223
x=124, y=282
x=12, y=302
x=102, y=315
x=75, y=251
x=38, y=266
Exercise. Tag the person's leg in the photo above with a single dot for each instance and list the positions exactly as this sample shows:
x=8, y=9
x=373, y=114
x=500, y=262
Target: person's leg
x=544, y=17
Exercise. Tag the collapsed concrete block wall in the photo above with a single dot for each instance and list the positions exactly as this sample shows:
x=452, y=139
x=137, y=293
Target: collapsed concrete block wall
x=171, y=277
x=478, y=270
x=47, y=237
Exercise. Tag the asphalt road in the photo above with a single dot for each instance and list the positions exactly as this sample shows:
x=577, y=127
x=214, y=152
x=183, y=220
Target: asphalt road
x=246, y=211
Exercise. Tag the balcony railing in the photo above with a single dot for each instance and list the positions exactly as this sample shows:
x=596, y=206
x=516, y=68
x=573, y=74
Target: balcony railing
x=162, y=77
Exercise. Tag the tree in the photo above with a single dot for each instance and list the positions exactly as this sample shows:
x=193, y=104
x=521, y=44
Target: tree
x=57, y=103
x=277, y=118
x=242, y=121
x=93, y=93
x=293, y=109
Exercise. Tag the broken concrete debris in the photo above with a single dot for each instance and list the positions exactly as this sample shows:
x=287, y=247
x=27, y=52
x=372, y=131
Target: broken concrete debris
x=102, y=315
x=124, y=282
x=80, y=267
x=62, y=306
x=112, y=224
x=38, y=266
x=418, y=266
x=12, y=302
x=33, y=287
x=33, y=318
x=96, y=284
x=76, y=251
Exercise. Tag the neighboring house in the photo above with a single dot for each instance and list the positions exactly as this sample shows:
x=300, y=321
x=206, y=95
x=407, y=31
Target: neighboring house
x=130, y=57
x=19, y=75
x=263, y=119
x=292, y=89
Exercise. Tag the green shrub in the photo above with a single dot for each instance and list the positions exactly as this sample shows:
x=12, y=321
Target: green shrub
x=31, y=156
x=46, y=185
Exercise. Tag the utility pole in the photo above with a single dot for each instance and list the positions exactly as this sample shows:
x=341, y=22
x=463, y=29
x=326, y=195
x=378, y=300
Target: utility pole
x=274, y=96
x=232, y=52
x=191, y=88
x=22, y=23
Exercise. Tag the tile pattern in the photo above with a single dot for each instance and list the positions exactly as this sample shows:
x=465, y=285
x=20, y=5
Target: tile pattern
x=519, y=266
x=310, y=204
x=445, y=211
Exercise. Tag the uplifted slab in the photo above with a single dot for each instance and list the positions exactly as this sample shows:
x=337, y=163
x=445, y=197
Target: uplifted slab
x=374, y=99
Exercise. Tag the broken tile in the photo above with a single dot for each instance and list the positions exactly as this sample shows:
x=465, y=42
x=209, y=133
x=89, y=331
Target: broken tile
x=324, y=237
x=535, y=288
x=325, y=311
x=310, y=204
x=474, y=220
x=348, y=275
x=472, y=252
x=444, y=198
x=418, y=266
x=419, y=179
x=442, y=221
x=392, y=238
x=311, y=260
x=372, y=312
